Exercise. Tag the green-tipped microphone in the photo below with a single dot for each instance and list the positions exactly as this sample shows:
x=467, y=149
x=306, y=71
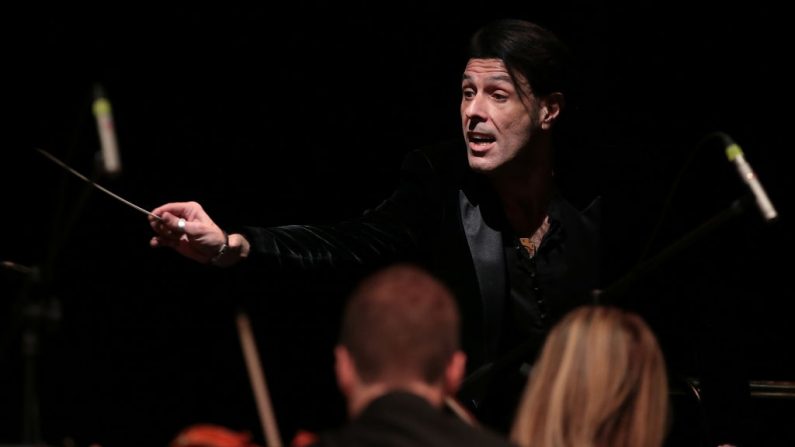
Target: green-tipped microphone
x=735, y=155
x=111, y=162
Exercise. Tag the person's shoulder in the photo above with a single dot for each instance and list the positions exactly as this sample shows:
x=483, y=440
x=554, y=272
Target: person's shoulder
x=492, y=438
x=446, y=158
x=403, y=419
x=460, y=432
x=588, y=217
x=481, y=436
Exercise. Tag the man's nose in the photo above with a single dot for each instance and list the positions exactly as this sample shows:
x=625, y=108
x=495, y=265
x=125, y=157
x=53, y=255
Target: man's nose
x=474, y=110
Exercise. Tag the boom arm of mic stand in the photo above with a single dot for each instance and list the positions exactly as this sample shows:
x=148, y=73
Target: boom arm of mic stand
x=620, y=287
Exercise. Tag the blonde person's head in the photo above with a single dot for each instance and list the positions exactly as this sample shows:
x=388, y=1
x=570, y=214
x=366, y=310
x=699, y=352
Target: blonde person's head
x=600, y=381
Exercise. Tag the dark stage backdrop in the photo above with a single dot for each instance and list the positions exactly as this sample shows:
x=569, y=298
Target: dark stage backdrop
x=302, y=116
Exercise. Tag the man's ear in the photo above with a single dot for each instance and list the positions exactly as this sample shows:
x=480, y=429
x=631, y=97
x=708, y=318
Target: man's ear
x=551, y=106
x=345, y=369
x=454, y=373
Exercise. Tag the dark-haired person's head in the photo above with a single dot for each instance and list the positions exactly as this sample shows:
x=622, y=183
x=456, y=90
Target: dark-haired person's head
x=513, y=91
x=400, y=330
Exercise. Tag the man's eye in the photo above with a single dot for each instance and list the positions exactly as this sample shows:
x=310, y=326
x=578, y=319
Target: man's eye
x=499, y=96
x=468, y=93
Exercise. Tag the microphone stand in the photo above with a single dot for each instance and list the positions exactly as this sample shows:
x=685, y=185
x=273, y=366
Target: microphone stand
x=35, y=310
x=618, y=288
x=38, y=308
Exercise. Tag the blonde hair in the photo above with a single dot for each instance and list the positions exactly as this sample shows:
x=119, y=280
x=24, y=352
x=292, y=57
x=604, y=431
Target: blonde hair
x=600, y=381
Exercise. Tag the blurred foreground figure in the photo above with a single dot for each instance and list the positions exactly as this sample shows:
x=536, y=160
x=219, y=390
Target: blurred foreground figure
x=600, y=381
x=397, y=361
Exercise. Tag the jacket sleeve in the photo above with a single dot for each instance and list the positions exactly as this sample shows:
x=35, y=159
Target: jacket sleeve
x=394, y=230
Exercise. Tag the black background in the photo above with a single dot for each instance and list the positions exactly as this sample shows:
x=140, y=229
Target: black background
x=302, y=116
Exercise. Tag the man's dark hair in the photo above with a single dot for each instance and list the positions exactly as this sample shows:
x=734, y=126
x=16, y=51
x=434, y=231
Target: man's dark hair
x=527, y=49
x=401, y=323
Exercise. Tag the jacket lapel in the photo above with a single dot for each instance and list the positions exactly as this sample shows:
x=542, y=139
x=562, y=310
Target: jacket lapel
x=485, y=245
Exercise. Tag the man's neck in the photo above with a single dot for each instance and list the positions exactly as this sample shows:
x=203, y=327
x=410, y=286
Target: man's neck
x=364, y=394
x=525, y=197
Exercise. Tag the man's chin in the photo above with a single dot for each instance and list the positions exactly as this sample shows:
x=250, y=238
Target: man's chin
x=480, y=165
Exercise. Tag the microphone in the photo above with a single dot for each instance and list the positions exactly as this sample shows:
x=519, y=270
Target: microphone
x=735, y=155
x=111, y=162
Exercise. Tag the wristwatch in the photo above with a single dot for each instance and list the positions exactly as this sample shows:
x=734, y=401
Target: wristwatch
x=214, y=260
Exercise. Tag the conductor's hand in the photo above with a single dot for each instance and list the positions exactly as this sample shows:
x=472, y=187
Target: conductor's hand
x=197, y=237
